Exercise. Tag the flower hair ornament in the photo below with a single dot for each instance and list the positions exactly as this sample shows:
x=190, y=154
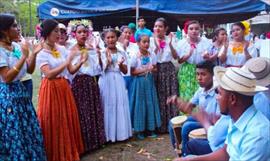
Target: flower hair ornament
x=75, y=23
x=86, y=23
x=186, y=26
x=247, y=27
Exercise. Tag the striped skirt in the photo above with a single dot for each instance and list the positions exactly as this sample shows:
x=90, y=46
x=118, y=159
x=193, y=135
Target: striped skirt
x=167, y=85
x=87, y=97
x=59, y=121
x=20, y=133
x=144, y=106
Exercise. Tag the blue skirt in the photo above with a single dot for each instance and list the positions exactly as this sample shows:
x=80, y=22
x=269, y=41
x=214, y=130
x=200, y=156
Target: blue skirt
x=20, y=133
x=145, y=114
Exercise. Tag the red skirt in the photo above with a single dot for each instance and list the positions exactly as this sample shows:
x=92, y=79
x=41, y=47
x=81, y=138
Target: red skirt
x=59, y=120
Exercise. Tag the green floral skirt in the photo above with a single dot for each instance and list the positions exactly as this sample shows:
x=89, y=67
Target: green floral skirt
x=188, y=84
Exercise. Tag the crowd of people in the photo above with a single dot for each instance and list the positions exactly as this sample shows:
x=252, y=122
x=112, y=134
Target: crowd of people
x=95, y=90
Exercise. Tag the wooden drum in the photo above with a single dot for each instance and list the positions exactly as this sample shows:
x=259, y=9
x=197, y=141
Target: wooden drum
x=197, y=134
x=177, y=123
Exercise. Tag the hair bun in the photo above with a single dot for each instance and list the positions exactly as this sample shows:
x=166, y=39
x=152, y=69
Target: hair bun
x=47, y=26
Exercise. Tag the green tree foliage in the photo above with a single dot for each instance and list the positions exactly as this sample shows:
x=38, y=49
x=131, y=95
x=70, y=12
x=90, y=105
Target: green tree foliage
x=22, y=11
x=8, y=7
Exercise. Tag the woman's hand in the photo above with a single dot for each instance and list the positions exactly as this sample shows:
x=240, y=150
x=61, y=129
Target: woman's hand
x=171, y=35
x=157, y=49
x=226, y=44
x=246, y=45
x=109, y=57
x=38, y=47
x=83, y=58
x=206, y=55
x=121, y=61
x=25, y=46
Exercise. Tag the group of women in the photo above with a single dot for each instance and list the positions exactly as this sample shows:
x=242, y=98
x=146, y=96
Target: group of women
x=89, y=96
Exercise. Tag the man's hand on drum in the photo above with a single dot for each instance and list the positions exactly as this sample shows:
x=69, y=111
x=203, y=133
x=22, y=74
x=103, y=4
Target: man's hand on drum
x=179, y=103
x=174, y=100
x=203, y=117
x=214, y=117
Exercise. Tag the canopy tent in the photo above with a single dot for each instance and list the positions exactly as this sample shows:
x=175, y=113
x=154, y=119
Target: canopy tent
x=108, y=12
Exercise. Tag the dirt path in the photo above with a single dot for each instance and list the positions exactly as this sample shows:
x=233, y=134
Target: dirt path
x=158, y=149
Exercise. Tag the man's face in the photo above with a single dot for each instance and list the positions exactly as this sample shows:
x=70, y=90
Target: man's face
x=204, y=78
x=222, y=98
x=141, y=23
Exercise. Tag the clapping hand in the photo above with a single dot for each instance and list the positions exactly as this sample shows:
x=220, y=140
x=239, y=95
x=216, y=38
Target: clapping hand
x=83, y=58
x=38, y=47
x=206, y=55
x=171, y=35
x=25, y=46
x=109, y=57
x=156, y=44
x=246, y=45
x=121, y=61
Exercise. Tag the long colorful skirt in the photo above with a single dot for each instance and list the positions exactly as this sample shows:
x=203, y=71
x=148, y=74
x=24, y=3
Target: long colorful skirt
x=58, y=115
x=116, y=106
x=20, y=133
x=188, y=83
x=87, y=97
x=167, y=85
x=144, y=106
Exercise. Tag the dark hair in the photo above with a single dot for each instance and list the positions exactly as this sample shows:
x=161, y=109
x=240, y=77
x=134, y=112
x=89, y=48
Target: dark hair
x=189, y=22
x=254, y=36
x=163, y=20
x=75, y=28
x=208, y=65
x=6, y=21
x=141, y=17
x=123, y=28
x=240, y=24
x=105, y=31
x=140, y=37
x=47, y=26
x=193, y=22
x=216, y=33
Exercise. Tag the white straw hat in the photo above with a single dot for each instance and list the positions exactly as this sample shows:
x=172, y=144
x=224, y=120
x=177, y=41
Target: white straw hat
x=260, y=68
x=237, y=80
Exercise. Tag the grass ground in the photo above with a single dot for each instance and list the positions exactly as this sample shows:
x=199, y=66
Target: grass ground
x=149, y=149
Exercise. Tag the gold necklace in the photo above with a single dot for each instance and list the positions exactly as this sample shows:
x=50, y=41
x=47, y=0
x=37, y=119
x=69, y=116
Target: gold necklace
x=82, y=49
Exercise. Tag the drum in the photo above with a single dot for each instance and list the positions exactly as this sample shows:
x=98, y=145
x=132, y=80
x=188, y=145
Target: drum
x=197, y=134
x=177, y=123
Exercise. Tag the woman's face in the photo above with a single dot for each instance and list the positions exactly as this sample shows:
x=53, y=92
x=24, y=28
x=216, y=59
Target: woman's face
x=13, y=33
x=110, y=39
x=81, y=34
x=54, y=36
x=126, y=33
x=159, y=29
x=194, y=30
x=222, y=36
x=237, y=32
x=63, y=36
x=144, y=43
